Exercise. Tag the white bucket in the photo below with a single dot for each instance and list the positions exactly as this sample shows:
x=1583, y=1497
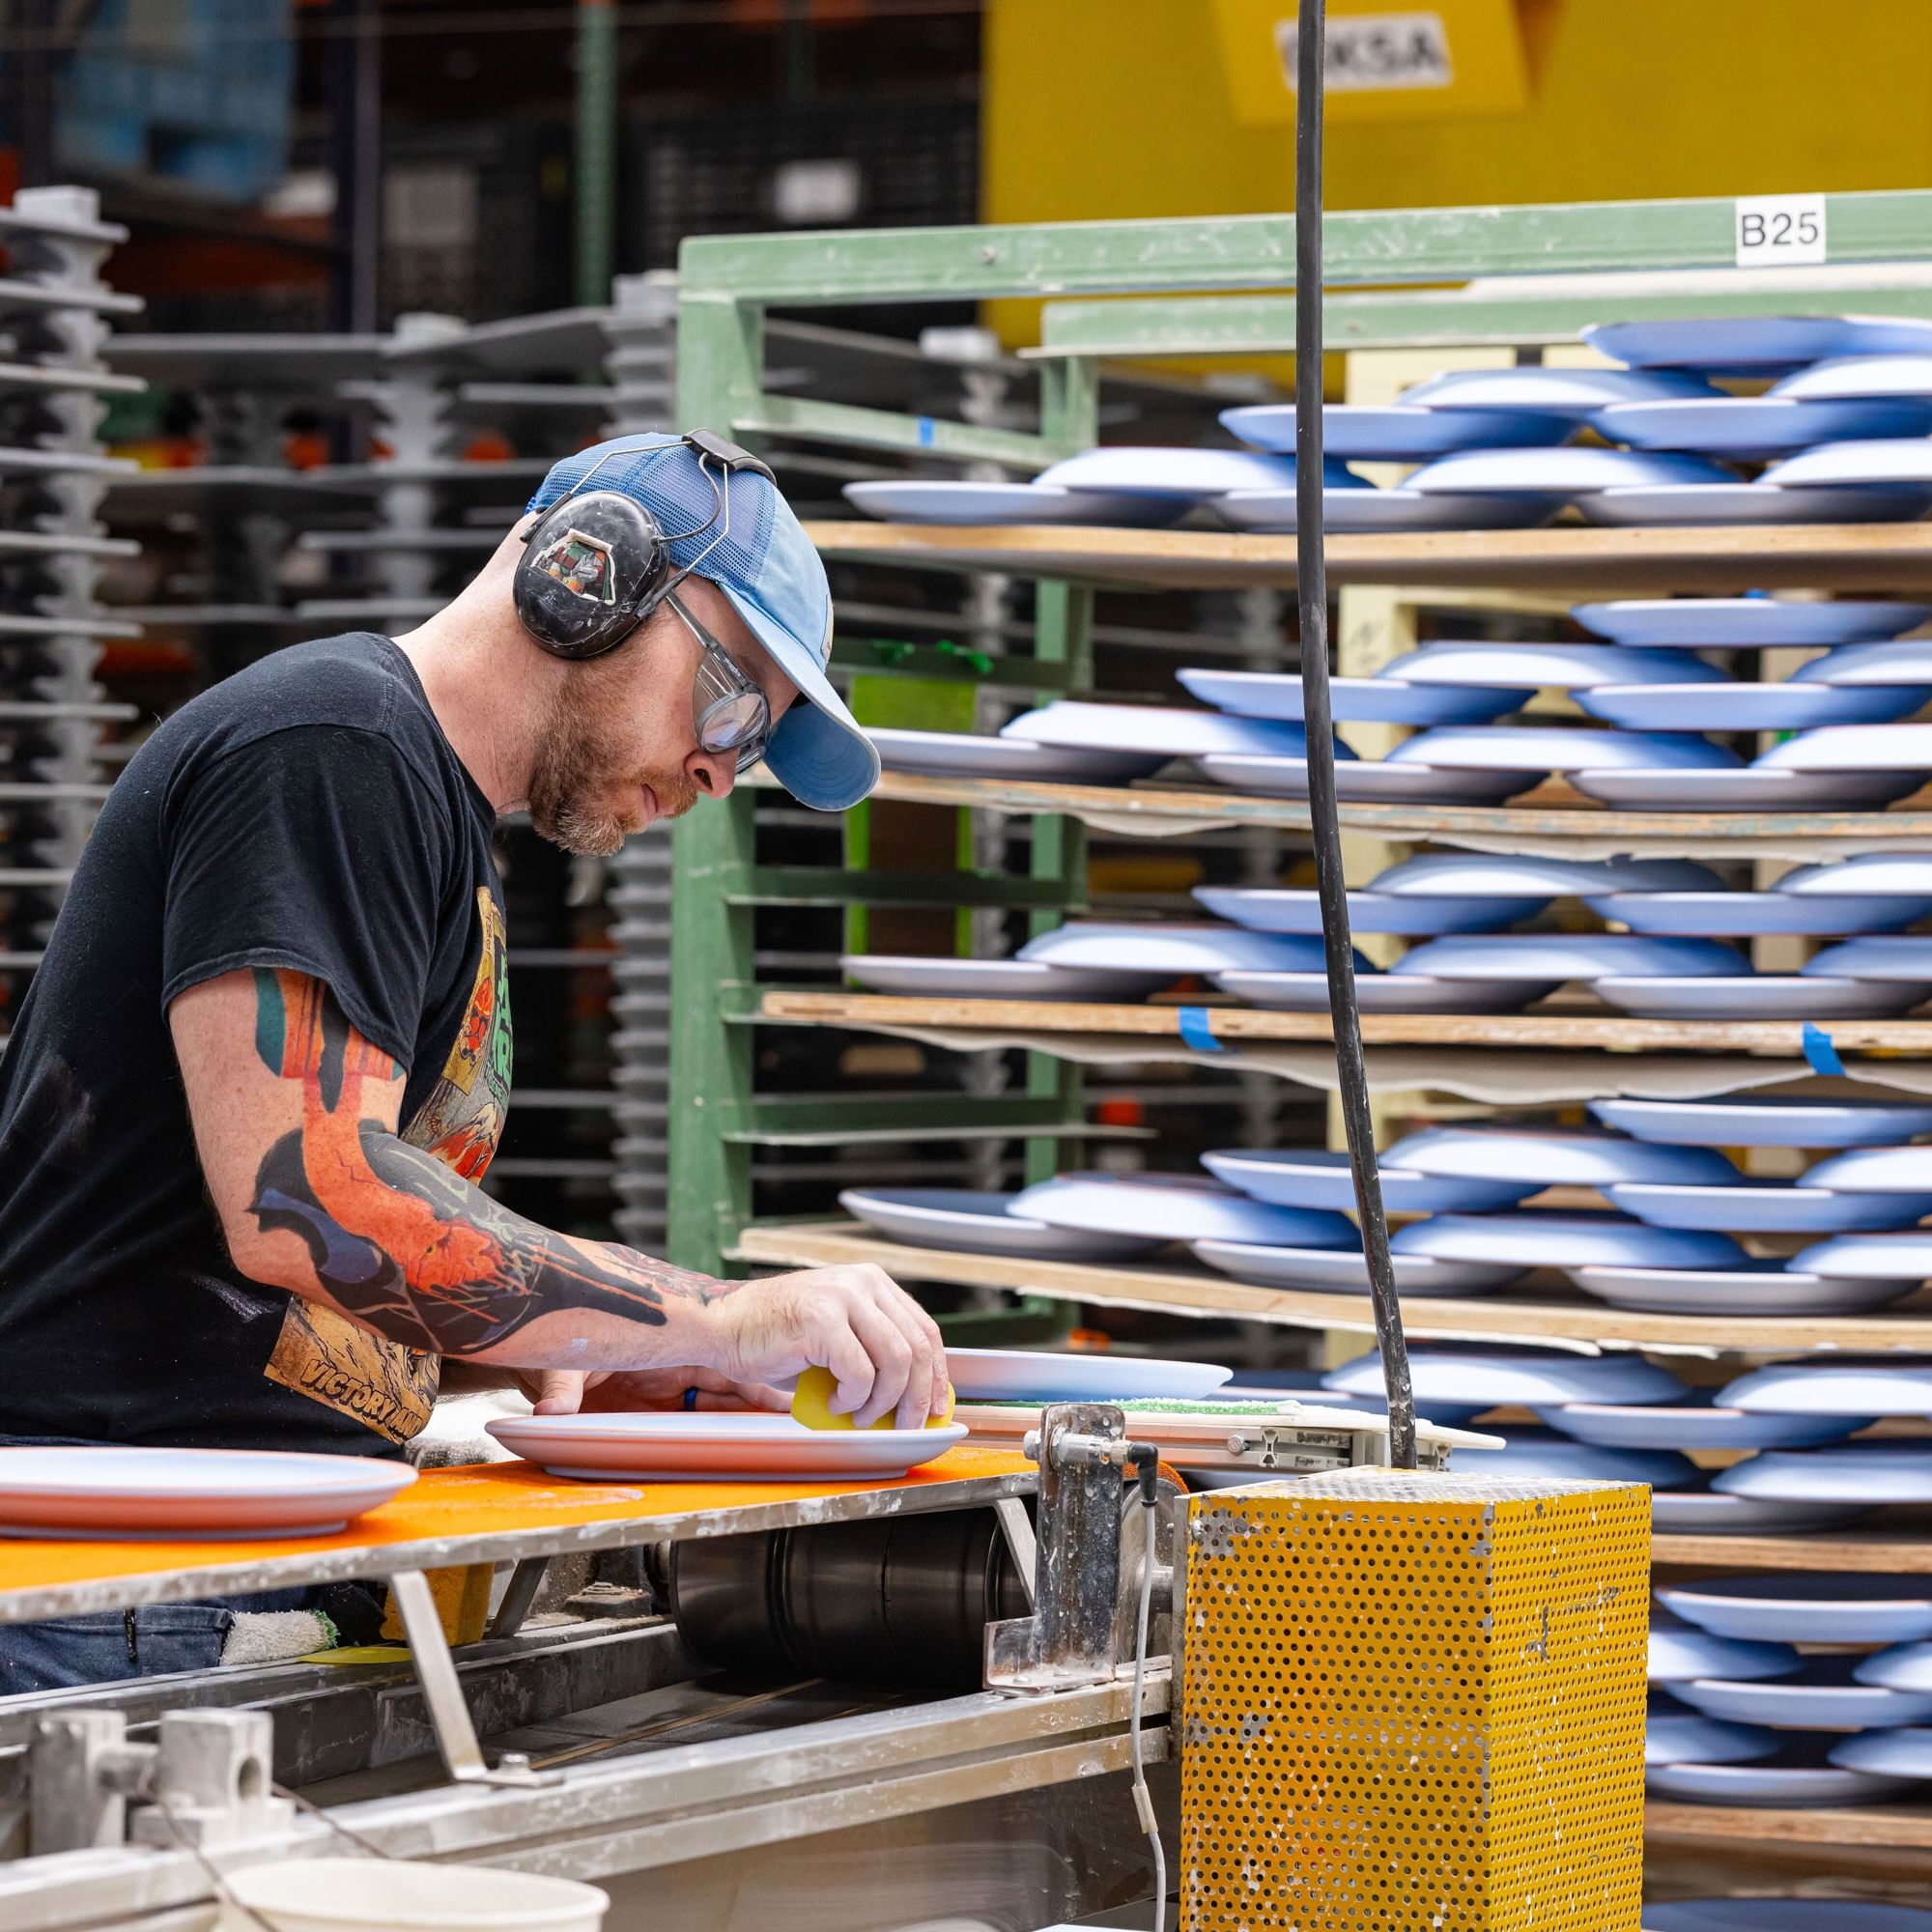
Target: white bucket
x=400, y=1895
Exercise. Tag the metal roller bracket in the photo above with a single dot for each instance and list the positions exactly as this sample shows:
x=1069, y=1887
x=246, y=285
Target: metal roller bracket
x=442, y=1693
x=1070, y=1637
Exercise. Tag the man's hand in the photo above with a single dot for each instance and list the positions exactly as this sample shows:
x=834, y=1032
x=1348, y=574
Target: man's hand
x=571, y=1391
x=882, y=1346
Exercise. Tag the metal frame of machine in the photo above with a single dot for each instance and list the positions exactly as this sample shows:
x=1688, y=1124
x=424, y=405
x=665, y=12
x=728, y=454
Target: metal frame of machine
x=80, y=1769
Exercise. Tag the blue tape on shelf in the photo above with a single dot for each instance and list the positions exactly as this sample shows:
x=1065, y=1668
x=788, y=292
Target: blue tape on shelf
x=1197, y=1029
x=927, y=432
x=1821, y=1053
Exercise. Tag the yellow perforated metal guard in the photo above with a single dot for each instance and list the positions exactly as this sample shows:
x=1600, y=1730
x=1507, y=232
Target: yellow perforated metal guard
x=1416, y=1702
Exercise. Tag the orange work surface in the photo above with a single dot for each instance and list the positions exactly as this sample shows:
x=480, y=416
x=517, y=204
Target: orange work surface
x=485, y=1512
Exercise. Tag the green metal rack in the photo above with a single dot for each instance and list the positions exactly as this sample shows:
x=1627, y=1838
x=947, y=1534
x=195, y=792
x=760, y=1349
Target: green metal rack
x=1408, y=279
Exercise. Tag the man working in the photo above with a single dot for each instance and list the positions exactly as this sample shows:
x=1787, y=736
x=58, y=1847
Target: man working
x=267, y=1054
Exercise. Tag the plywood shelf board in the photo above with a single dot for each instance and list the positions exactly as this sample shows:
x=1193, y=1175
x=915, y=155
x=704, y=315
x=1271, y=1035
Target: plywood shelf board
x=1609, y=1032
x=1722, y=559
x=1176, y=1289
x=1573, y=826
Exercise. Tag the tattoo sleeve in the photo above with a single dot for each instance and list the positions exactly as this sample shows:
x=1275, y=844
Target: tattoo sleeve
x=399, y=1241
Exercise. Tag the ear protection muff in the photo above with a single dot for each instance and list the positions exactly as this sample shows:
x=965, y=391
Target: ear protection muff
x=597, y=563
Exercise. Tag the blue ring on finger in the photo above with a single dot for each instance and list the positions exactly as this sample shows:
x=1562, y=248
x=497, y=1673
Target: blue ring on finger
x=691, y=1398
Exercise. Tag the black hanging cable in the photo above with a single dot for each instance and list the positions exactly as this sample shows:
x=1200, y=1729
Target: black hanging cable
x=1312, y=580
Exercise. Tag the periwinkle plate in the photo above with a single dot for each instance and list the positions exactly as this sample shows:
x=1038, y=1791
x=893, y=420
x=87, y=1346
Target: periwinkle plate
x=1771, y=1121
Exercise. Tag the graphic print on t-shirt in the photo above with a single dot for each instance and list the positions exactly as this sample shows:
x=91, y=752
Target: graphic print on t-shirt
x=319, y=1353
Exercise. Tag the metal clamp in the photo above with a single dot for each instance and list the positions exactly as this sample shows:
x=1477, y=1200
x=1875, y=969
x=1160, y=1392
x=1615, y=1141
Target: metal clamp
x=1073, y=1634
x=205, y=1780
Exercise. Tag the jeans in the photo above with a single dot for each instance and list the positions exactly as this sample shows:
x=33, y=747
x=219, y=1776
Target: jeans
x=154, y=1639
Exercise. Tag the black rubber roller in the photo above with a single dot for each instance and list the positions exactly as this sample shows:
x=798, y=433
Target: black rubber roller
x=896, y=1600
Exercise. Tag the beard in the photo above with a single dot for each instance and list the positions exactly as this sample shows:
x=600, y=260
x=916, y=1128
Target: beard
x=582, y=763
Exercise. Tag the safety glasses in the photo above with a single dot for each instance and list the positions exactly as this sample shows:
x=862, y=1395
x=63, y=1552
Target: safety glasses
x=730, y=712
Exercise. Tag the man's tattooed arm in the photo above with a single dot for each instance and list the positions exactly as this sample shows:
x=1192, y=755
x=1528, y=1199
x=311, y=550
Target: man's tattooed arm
x=403, y=1243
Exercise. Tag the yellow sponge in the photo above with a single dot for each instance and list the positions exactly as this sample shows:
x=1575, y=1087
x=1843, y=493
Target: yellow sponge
x=812, y=1405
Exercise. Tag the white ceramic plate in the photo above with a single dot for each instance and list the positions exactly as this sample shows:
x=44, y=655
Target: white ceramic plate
x=1745, y=915
x=1680, y=1652
x=1169, y=729
x=1552, y=1157
x=1742, y=788
x=1870, y=1258
x=1299, y=909
x=1906, y=957
x=922, y=977
x=1701, y=622
x=1859, y=376
x=1543, y=1455
x=1883, y=874
x=1805, y=1606
x=1757, y=996
x=980, y=1223
x=1662, y=505
x=1783, y=1914
x=1876, y=460
x=1320, y=1177
x=1177, y=1208
x=1755, y=345
x=1190, y=475
x=1169, y=948
x=1761, y=1289
x=1755, y=427
x=1472, y=1375
x=716, y=1446
x=1367, y=700
x=1823, y=1698
x=1344, y=1272
x=1689, y=1424
x=1855, y=748
x=1748, y=707
x=1542, y=667
x=1902, y=1754
x=1888, y=1170
x=1767, y=1785
x=1367, y=782
x=1905, y=661
x=1829, y=1387
x=1571, y=955
x=1539, y=1238
x=1705, y=1513
x=134, y=1492
x=960, y=755
x=1767, y=1207
x=1555, y=748
x=1360, y=511
x=1027, y=1374
x=1394, y=433
x=1676, y=1736
x=1538, y=878
x=1775, y=1120
x=1575, y=394
x=917, y=500
x=1576, y=471
x=1867, y=1474
x=1385, y=992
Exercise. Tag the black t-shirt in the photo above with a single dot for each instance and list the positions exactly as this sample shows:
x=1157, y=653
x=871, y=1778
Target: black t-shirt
x=306, y=813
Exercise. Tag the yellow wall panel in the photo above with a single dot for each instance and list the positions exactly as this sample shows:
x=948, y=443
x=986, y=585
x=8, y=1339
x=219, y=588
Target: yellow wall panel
x=1099, y=109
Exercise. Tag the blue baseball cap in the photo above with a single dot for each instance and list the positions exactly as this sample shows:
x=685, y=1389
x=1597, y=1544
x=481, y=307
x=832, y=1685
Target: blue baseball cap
x=766, y=565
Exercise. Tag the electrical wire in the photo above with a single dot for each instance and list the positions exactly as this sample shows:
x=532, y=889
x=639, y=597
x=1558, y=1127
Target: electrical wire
x=1325, y=827
x=1143, y=1798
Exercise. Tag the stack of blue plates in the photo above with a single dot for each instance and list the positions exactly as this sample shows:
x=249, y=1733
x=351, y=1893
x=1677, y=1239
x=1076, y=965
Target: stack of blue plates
x=1794, y=1728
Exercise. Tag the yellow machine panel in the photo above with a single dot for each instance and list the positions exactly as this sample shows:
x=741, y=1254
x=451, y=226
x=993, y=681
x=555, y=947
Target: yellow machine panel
x=1415, y=1702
